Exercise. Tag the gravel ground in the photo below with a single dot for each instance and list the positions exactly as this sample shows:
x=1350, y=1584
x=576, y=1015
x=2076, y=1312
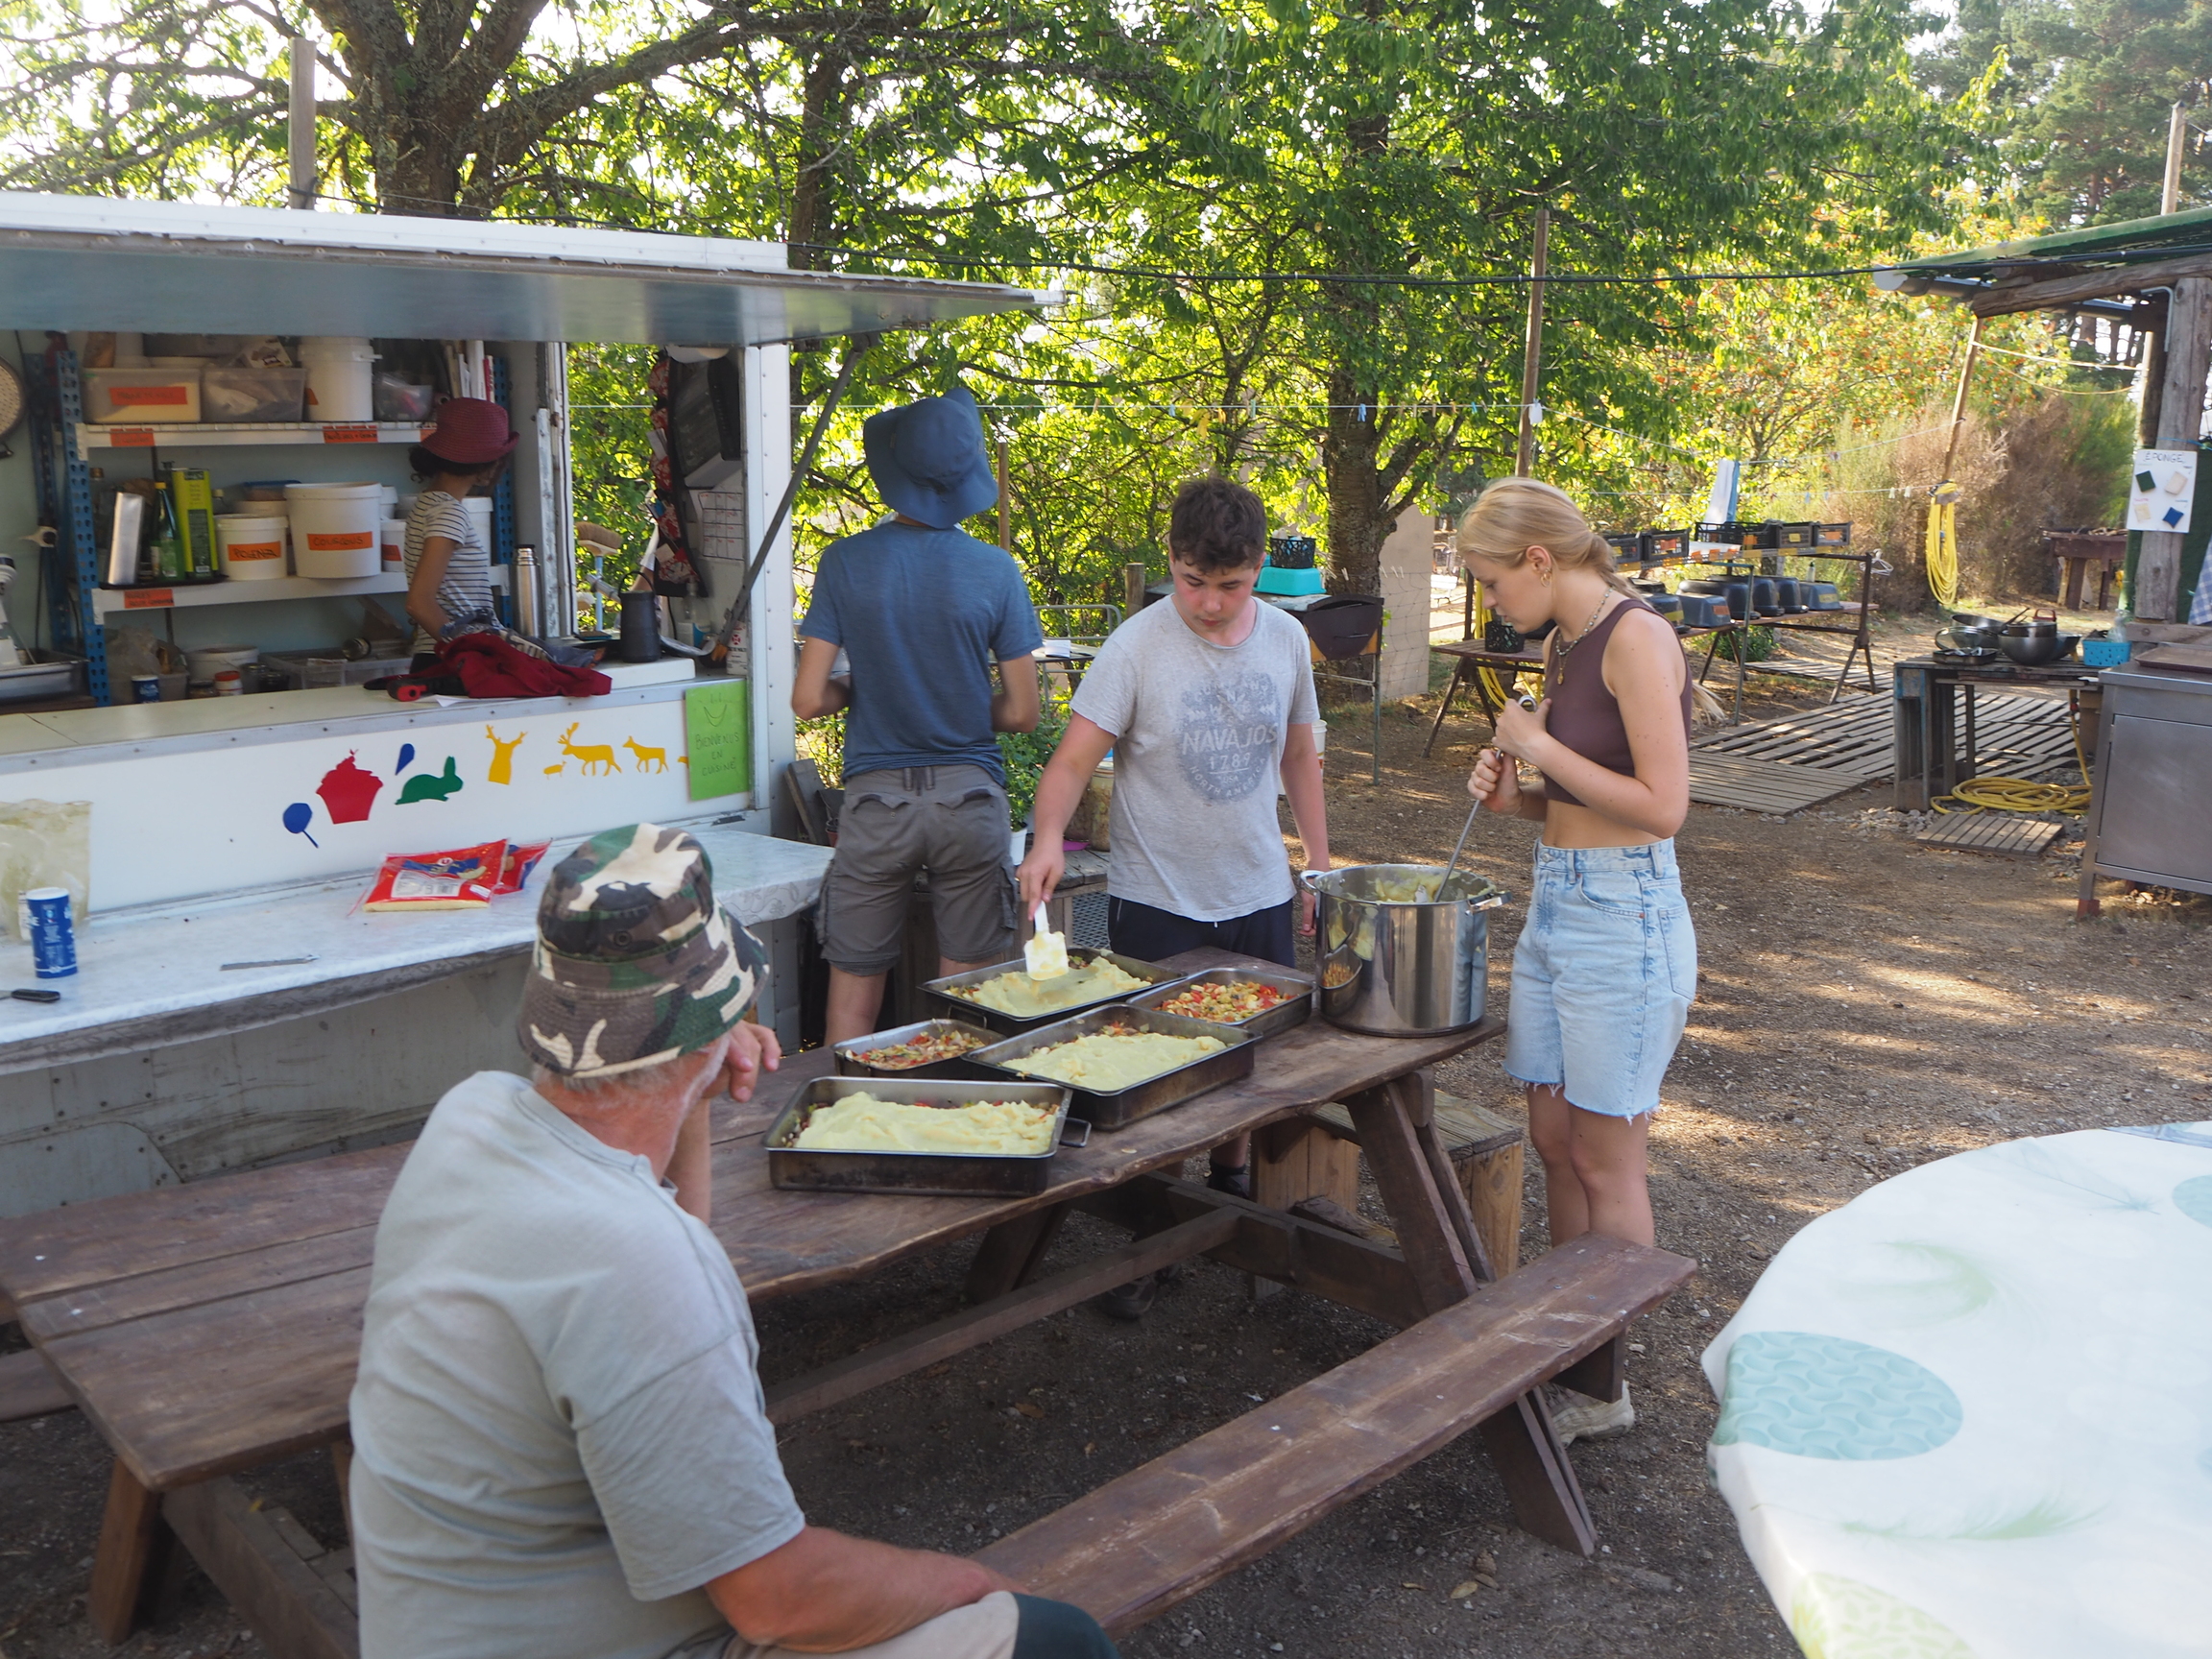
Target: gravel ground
x=1866, y=1005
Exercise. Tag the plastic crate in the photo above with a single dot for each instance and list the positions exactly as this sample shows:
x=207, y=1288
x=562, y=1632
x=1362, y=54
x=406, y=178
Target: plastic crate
x=1663, y=544
x=1791, y=534
x=2107, y=653
x=1832, y=536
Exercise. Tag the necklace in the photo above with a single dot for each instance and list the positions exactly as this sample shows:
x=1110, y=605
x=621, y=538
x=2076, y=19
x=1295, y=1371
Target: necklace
x=1583, y=633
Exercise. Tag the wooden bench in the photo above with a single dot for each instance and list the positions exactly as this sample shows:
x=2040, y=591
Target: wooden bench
x=1139, y=1545
x=29, y=1387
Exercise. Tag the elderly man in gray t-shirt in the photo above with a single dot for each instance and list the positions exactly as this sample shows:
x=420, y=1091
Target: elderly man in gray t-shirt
x=561, y=1448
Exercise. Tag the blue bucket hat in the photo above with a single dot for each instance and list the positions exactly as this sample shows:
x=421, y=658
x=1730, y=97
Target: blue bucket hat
x=929, y=461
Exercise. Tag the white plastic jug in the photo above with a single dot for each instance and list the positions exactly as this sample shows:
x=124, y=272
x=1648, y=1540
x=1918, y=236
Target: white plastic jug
x=340, y=379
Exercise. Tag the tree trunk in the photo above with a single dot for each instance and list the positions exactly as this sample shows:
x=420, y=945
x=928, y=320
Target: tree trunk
x=1349, y=456
x=821, y=122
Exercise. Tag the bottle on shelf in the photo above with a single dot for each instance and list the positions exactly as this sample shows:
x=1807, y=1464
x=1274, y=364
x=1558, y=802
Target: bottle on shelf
x=168, y=549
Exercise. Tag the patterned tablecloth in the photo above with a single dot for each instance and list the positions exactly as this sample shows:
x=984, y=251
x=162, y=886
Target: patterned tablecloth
x=1969, y=1414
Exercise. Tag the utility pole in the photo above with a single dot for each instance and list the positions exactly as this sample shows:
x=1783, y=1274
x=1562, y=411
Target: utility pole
x=2176, y=132
x=1532, y=346
x=299, y=137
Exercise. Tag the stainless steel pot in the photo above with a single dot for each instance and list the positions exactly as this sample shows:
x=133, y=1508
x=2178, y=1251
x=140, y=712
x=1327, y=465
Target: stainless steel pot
x=1398, y=965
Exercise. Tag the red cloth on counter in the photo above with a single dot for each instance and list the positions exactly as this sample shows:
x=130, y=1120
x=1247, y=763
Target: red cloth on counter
x=488, y=666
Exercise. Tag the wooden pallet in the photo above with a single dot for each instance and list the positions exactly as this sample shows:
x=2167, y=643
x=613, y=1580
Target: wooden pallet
x=1991, y=832
x=1759, y=785
x=2017, y=735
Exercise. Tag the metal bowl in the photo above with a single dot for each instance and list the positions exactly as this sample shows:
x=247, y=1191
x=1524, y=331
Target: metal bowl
x=2035, y=650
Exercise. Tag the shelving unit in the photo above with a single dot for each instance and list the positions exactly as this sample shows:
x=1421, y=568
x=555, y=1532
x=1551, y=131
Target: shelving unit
x=64, y=443
x=183, y=596
x=245, y=435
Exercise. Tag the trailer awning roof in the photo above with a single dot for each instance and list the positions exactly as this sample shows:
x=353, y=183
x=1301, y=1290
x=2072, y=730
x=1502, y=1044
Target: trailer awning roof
x=71, y=262
x=2161, y=236
x=2103, y=268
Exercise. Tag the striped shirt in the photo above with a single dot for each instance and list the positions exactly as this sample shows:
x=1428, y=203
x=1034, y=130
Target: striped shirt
x=467, y=589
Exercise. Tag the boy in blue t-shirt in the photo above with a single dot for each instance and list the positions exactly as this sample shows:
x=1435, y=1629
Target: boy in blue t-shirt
x=922, y=609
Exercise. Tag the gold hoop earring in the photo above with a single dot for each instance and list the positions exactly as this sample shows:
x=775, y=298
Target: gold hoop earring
x=1547, y=575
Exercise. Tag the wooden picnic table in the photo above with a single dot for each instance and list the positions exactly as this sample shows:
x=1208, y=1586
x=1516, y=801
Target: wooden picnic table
x=214, y=1328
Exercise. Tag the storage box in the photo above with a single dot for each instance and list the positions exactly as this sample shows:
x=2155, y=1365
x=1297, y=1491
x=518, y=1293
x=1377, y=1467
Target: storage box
x=2107, y=653
x=253, y=394
x=1791, y=534
x=1832, y=536
x=142, y=396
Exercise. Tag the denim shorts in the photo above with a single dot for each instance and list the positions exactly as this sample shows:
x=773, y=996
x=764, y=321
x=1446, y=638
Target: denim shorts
x=1603, y=976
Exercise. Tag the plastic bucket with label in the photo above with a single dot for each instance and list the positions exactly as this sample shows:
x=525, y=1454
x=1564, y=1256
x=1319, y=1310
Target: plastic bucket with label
x=252, y=545
x=335, y=529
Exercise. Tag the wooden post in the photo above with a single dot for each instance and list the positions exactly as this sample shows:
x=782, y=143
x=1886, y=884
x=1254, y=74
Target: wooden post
x=2157, y=588
x=1133, y=582
x=1959, y=402
x=2177, y=132
x=299, y=137
x=1532, y=346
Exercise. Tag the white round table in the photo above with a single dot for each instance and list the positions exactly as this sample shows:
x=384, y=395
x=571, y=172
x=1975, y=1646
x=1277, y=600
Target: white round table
x=1969, y=1414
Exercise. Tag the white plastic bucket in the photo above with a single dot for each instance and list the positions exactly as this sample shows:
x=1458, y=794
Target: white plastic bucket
x=334, y=529
x=340, y=379
x=392, y=542
x=252, y=545
x=479, y=511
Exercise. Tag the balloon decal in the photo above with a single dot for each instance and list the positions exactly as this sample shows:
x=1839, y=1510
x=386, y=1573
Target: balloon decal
x=296, y=817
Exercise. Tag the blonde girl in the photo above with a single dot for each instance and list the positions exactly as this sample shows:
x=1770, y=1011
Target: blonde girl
x=1608, y=961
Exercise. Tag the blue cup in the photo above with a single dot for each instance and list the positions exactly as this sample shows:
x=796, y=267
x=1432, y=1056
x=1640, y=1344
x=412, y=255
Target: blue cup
x=53, y=934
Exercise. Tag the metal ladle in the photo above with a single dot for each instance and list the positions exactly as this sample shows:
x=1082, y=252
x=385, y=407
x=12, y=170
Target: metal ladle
x=1529, y=702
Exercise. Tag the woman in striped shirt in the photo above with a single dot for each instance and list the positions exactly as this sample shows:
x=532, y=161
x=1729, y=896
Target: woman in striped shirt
x=448, y=566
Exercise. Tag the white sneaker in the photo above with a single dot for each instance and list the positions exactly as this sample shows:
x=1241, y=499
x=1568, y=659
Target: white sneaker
x=1580, y=1417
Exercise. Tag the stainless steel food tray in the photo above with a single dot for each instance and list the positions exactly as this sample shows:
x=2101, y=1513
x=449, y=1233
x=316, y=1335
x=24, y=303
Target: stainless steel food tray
x=1014, y=1026
x=1295, y=1008
x=952, y=1175
x=1125, y=1106
x=851, y=1065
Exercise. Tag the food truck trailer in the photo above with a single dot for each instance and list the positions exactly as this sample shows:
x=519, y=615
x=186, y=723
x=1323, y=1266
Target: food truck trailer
x=234, y=1004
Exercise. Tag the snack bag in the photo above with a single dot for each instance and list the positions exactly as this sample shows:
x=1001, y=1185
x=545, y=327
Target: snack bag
x=462, y=880
x=520, y=861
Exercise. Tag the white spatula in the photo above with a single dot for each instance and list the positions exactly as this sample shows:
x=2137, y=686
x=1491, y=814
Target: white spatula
x=1045, y=956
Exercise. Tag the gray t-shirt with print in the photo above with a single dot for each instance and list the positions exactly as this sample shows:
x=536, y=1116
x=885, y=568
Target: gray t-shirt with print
x=1198, y=731
x=558, y=1427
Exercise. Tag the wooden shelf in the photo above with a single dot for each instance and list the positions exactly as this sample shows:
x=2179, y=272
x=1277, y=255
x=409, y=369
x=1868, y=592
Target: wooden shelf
x=112, y=601
x=242, y=435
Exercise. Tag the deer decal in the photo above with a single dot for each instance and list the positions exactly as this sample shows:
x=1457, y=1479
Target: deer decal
x=502, y=755
x=648, y=760
x=599, y=754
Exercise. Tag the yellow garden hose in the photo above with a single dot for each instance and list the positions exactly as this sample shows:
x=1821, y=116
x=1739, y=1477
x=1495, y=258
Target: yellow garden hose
x=1994, y=792
x=1497, y=689
x=1943, y=543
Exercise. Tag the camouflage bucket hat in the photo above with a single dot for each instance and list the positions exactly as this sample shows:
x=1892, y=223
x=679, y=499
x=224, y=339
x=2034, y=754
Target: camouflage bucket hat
x=635, y=962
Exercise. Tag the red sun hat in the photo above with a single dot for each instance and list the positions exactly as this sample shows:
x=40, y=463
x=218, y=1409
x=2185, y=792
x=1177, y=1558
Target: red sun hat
x=469, y=432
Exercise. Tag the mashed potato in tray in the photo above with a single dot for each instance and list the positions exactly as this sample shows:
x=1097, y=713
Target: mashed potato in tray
x=1107, y=1061
x=973, y=1128
x=1019, y=995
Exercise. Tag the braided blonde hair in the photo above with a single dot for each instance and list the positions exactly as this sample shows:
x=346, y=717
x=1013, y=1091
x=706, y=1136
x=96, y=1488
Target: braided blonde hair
x=1513, y=515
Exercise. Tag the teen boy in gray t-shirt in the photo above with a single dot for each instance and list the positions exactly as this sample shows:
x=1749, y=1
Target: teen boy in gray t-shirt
x=1205, y=702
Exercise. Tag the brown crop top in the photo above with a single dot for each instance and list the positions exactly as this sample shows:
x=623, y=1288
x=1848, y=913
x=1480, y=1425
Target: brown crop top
x=1585, y=715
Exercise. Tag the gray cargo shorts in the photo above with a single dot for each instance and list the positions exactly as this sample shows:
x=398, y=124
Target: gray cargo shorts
x=948, y=820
